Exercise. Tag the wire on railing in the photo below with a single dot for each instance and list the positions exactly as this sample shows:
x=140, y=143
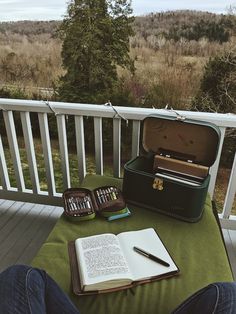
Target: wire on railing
x=178, y=116
x=50, y=107
x=116, y=112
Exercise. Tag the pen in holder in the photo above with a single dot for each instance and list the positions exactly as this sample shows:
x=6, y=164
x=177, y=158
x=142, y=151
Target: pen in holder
x=78, y=204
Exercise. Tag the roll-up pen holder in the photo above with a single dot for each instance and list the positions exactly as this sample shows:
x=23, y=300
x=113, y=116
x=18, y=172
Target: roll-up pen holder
x=82, y=204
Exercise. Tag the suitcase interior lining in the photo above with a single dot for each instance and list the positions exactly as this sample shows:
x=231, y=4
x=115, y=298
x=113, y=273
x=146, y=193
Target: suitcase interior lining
x=196, y=140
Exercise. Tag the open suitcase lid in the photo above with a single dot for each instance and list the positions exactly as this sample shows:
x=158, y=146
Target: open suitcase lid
x=184, y=139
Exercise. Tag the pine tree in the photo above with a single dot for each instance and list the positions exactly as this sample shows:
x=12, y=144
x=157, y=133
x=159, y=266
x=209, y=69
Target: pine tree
x=95, y=37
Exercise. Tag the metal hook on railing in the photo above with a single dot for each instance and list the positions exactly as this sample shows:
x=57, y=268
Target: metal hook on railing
x=178, y=116
x=116, y=112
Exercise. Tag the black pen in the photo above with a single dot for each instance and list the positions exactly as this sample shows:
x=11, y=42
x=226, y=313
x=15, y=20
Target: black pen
x=150, y=256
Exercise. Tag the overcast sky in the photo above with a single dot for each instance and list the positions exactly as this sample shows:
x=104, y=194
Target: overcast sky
x=13, y=10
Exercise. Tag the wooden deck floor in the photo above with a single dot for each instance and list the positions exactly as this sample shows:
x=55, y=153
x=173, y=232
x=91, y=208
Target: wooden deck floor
x=230, y=242
x=25, y=226
x=23, y=229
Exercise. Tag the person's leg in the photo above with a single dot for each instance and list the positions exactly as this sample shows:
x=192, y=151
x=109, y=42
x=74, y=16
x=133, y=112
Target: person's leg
x=217, y=298
x=57, y=302
x=24, y=290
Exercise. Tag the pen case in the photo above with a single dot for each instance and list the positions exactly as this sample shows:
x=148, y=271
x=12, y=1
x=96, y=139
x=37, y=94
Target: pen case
x=82, y=204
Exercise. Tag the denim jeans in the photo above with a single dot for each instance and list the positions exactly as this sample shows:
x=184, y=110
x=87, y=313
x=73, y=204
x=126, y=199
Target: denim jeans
x=27, y=290
x=217, y=298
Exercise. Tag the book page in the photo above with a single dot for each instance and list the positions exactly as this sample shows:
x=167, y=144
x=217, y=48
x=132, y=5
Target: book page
x=101, y=259
x=142, y=267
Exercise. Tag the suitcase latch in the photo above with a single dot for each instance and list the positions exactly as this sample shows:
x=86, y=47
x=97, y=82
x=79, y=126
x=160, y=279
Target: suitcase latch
x=158, y=184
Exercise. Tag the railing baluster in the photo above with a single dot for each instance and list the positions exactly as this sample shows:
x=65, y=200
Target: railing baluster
x=14, y=149
x=29, y=145
x=135, y=138
x=116, y=146
x=3, y=168
x=98, y=145
x=44, y=131
x=61, y=125
x=79, y=133
x=229, y=199
x=215, y=167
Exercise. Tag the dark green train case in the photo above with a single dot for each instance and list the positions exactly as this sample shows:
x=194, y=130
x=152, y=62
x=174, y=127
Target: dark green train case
x=195, y=142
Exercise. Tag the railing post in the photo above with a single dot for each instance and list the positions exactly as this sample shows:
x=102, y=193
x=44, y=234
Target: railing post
x=14, y=148
x=44, y=130
x=3, y=168
x=61, y=126
x=215, y=167
x=79, y=133
x=29, y=145
x=116, y=146
x=135, y=138
x=229, y=199
x=98, y=145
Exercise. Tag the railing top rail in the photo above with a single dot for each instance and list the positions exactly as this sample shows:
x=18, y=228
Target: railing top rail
x=133, y=113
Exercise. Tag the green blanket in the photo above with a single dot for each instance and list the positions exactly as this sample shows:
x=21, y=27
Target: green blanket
x=197, y=249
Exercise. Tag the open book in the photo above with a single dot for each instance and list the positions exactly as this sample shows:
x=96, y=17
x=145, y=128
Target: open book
x=108, y=262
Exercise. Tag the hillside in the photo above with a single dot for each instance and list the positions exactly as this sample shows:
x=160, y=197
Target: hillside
x=170, y=50
x=169, y=24
x=191, y=25
x=28, y=28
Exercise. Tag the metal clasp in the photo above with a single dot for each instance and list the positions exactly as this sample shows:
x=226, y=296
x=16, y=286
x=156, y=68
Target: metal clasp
x=158, y=184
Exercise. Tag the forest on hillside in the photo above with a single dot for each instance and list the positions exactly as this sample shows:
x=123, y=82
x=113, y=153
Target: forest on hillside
x=170, y=51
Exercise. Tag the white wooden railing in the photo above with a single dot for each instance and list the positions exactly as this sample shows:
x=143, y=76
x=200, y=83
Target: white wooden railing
x=98, y=112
